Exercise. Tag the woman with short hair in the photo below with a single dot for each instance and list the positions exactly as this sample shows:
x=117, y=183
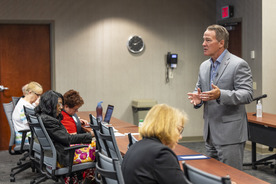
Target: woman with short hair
x=32, y=94
x=72, y=102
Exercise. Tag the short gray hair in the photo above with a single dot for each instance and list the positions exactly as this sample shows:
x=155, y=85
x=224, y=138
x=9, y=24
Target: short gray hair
x=221, y=33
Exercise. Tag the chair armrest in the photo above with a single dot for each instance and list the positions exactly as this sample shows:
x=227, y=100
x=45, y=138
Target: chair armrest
x=72, y=150
x=105, y=137
x=96, y=127
x=24, y=133
x=75, y=147
x=25, y=130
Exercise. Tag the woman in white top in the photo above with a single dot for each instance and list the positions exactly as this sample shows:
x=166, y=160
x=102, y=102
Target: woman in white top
x=33, y=92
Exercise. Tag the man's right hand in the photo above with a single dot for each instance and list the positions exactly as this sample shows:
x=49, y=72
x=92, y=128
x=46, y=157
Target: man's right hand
x=195, y=97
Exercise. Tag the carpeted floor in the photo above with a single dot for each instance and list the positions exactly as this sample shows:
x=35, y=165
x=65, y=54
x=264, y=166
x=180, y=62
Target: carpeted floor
x=7, y=162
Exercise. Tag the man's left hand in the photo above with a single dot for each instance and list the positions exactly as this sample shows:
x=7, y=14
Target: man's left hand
x=211, y=95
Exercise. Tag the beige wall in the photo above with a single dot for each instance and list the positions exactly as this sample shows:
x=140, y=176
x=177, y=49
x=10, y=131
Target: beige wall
x=268, y=65
x=90, y=54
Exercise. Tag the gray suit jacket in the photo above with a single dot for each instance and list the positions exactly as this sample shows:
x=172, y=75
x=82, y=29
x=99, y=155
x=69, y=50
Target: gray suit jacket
x=226, y=118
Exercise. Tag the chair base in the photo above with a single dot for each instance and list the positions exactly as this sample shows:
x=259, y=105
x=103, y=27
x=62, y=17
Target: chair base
x=25, y=156
x=20, y=168
x=39, y=179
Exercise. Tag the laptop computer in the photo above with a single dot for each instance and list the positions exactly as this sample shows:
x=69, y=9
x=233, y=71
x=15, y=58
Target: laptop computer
x=108, y=114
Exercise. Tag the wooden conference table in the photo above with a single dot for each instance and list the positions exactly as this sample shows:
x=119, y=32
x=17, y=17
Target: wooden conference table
x=262, y=130
x=209, y=165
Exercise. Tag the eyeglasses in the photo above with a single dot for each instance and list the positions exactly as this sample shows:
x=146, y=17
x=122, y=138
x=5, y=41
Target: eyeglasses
x=60, y=104
x=36, y=94
x=181, y=129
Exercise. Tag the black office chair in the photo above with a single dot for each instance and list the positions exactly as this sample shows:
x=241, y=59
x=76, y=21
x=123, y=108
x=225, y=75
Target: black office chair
x=15, y=149
x=107, y=135
x=197, y=176
x=132, y=140
x=95, y=127
x=34, y=151
x=94, y=124
x=48, y=160
x=109, y=170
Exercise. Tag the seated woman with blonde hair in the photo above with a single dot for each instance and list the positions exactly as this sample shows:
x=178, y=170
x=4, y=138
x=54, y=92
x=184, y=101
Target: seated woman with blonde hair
x=32, y=94
x=151, y=160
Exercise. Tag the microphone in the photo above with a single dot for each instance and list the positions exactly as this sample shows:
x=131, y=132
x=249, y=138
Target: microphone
x=260, y=97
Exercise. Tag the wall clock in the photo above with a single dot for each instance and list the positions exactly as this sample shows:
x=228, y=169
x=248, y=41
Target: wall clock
x=135, y=44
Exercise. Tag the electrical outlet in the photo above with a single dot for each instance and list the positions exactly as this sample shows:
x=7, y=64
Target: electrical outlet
x=252, y=54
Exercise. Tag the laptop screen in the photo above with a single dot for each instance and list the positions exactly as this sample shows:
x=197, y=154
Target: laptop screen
x=108, y=113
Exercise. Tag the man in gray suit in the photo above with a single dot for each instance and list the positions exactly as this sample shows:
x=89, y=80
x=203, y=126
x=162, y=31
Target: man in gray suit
x=224, y=86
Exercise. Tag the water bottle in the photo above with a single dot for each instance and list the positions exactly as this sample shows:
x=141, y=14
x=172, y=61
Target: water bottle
x=259, y=109
x=99, y=111
x=140, y=123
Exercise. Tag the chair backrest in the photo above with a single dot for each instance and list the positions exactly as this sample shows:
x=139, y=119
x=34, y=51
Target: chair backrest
x=108, y=137
x=93, y=120
x=132, y=140
x=28, y=111
x=197, y=176
x=34, y=146
x=94, y=125
x=45, y=142
x=109, y=169
x=8, y=109
x=77, y=122
x=15, y=99
x=96, y=129
x=17, y=149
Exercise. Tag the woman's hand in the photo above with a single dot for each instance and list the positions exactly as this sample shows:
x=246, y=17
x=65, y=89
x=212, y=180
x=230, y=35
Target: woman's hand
x=84, y=122
x=92, y=133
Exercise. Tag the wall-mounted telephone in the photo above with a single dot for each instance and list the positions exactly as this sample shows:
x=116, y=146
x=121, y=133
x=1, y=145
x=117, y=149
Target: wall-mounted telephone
x=172, y=60
x=171, y=64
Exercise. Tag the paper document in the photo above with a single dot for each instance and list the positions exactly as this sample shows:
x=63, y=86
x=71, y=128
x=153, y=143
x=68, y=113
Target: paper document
x=192, y=157
x=115, y=130
x=132, y=133
x=118, y=134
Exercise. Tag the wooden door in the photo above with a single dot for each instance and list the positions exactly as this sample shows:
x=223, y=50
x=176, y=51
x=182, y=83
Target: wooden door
x=24, y=57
